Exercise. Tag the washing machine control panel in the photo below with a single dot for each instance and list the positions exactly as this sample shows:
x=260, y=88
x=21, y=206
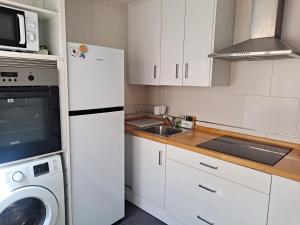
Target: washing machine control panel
x=30, y=172
x=41, y=169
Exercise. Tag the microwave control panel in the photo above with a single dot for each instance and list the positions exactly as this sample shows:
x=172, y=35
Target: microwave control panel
x=32, y=31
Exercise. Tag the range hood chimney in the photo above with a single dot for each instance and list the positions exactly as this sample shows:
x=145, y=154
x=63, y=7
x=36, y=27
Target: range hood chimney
x=265, y=42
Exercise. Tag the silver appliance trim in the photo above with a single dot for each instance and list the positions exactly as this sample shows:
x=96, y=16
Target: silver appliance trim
x=265, y=40
x=28, y=72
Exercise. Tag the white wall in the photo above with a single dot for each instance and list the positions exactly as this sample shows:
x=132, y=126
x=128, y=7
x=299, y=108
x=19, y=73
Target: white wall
x=263, y=95
x=103, y=23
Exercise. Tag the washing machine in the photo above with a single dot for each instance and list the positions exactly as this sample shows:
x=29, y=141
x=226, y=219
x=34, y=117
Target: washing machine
x=32, y=193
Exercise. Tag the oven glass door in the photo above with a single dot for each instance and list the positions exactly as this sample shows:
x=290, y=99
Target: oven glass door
x=29, y=122
x=12, y=28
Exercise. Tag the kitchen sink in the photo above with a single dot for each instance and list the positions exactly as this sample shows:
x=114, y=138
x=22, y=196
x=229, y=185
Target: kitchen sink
x=165, y=131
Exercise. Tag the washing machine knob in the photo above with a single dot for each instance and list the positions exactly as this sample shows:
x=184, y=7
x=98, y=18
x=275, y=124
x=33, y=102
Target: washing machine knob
x=18, y=176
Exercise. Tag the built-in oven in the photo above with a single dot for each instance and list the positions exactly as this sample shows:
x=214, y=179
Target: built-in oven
x=29, y=113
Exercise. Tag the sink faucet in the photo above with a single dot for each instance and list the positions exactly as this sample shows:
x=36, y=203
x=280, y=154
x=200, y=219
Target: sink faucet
x=171, y=120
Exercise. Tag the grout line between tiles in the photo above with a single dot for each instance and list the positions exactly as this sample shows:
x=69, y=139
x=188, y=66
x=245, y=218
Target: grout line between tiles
x=271, y=83
x=243, y=110
x=298, y=119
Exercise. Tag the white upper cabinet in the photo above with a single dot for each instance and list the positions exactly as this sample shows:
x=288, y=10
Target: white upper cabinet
x=189, y=30
x=284, y=202
x=172, y=39
x=198, y=42
x=144, y=36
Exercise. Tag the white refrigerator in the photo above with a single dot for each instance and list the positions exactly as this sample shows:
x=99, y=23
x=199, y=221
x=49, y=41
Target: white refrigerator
x=96, y=94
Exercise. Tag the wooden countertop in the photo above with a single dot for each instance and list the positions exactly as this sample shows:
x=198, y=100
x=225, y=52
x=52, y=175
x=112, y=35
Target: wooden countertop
x=288, y=167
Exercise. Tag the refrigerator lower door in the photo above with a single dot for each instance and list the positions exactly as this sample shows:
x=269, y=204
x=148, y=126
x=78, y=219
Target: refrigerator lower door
x=97, y=164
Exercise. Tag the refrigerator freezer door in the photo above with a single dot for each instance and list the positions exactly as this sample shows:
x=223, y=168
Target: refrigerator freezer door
x=96, y=77
x=97, y=163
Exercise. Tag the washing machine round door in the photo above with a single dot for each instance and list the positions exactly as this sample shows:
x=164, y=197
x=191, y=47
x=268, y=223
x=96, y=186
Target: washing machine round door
x=31, y=205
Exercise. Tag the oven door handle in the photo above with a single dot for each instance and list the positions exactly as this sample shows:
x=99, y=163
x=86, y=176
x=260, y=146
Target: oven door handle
x=22, y=28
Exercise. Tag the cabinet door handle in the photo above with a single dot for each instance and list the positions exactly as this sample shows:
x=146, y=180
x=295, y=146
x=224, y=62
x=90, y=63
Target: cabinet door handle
x=177, y=71
x=155, y=71
x=186, y=75
x=205, y=220
x=207, y=188
x=209, y=166
x=160, y=158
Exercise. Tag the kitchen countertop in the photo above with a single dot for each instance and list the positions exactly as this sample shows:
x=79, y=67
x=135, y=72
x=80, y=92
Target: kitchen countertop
x=288, y=167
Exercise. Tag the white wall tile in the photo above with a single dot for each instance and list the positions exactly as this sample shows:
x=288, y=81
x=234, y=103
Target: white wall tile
x=286, y=78
x=109, y=41
x=298, y=125
x=234, y=129
x=284, y=138
x=109, y=21
x=204, y=103
x=81, y=36
x=69, y=33
x=223, y=109
x=79, y=14
x=278, y=115
x=251, y=77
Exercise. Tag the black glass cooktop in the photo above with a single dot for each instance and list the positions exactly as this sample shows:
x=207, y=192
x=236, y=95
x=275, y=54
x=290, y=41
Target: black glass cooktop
x=262, y=153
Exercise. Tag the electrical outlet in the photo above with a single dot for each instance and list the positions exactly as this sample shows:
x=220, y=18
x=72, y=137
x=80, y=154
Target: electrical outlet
x=163, y=93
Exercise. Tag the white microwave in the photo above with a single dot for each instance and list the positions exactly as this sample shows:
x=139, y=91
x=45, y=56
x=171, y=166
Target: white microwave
x=19, y=29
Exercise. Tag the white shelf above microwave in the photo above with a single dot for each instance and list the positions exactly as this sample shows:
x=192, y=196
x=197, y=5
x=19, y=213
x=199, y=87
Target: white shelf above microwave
x=44, y=14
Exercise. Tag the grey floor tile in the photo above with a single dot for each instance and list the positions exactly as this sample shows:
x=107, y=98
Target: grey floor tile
x=137, y=216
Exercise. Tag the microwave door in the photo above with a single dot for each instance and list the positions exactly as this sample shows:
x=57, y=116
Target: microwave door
x=12, y=27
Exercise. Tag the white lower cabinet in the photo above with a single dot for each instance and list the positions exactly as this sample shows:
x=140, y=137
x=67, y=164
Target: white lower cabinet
x=211, y=199
x=147, y=175
x=192, y=212
x=194, y=196
x=284, y=202
x=189, y=188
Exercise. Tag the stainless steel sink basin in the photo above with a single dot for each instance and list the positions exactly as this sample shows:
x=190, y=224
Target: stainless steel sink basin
x=165, y=131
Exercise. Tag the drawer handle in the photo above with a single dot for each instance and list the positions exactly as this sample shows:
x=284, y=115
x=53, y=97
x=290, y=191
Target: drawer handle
x=209, y=166
x=207, y=188
x=160, y=158
x=206, y=221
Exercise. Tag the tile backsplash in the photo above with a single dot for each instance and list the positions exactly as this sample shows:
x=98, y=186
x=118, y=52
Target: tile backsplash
x=263, y=96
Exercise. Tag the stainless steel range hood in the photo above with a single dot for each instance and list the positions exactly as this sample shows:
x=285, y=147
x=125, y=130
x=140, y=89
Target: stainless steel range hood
x=265, y=42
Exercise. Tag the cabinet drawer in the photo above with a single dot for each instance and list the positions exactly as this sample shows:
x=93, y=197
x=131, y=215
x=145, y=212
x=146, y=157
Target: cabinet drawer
x=235, y=201
x=248, y=177
x=191, y=212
